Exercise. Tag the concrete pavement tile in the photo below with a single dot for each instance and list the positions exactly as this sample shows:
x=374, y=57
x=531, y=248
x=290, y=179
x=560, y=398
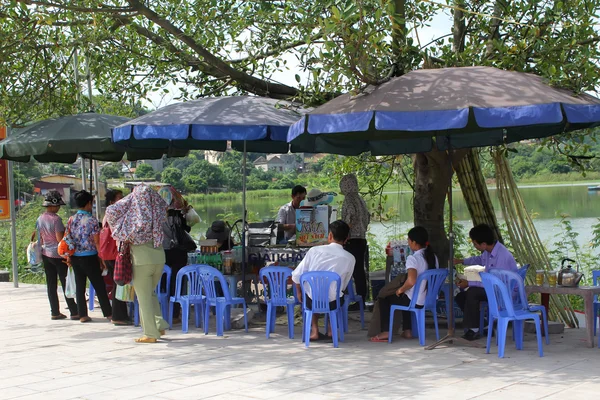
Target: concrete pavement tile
x=523, y=391
x=17, y=392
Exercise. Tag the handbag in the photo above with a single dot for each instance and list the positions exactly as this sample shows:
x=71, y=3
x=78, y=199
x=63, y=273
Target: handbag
x=191, y=217
x=34, y=249
x=123, y=269
x=125, y=293
x=70, y=285
x=66, y=246
x=180, y=238
x=108, y=246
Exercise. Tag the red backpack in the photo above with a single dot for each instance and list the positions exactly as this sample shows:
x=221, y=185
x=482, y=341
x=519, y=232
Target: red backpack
x=108, y=246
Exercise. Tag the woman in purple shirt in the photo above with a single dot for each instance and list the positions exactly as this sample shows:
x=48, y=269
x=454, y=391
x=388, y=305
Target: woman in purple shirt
x=50, y=228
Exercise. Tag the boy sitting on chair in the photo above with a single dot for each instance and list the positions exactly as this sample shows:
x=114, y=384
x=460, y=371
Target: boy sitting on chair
x=333, y=258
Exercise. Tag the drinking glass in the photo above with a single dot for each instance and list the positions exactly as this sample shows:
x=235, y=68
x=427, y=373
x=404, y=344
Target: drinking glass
x=539, y=277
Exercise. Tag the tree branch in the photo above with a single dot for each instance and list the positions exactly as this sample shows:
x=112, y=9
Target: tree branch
x=221, y=68
x=276, y=50
x=102, y=9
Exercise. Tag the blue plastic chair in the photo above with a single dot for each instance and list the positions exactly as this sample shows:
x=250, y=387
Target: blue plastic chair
x=483, y=306
x=275, y=280
x=352, y=297
x=319, y=283
x=516, y=288
x=194, y=296
x=222, y=304
x=503, y=311
x=596, y=280
x=434, y=279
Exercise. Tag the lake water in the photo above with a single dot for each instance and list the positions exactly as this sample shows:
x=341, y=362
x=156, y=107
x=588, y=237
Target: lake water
x=546, y=203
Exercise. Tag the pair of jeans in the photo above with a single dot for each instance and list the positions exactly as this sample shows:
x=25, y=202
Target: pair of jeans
x=53, y=268
x=358, y=248
x=469, y=302
x=88, y=267
x=119, y=308
x=385, y=305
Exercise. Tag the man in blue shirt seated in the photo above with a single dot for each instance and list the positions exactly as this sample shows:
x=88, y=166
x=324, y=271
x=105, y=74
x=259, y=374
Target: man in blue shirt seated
x=493, y=255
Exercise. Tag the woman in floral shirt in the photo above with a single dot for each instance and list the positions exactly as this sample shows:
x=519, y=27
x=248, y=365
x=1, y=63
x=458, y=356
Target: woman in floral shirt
x=85, y=232
x=138, y=219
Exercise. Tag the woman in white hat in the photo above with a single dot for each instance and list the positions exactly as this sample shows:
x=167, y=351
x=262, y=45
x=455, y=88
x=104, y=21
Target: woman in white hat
x=50, y=228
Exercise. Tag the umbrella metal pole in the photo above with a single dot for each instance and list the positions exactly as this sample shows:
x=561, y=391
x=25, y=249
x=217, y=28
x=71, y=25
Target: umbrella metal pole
x=91, y=175
x=244, y=223
x=451, y=336
x=97, y=193
x=13, y=219
x=83, y=174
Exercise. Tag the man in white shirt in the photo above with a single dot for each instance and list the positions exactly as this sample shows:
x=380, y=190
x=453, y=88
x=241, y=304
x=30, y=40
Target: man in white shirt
x=287, y=213
x=331, y=257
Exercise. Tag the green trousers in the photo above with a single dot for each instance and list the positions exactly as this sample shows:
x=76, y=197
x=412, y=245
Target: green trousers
x=146, y=276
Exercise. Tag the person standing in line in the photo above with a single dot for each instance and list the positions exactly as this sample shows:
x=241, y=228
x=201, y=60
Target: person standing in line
x=85, y=232
x=175, y=256
x=119, y=308
x=138, y=219
x=356, y=214
x=50, y=228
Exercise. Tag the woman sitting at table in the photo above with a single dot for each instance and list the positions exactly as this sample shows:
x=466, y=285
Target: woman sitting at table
x=422, y=259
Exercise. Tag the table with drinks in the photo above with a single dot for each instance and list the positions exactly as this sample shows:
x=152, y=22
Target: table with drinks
x=549, y=286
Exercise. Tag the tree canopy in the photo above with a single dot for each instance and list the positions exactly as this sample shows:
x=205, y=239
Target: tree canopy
x=207, y=47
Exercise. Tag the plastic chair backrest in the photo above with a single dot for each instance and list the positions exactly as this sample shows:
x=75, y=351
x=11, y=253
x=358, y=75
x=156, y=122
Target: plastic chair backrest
x=194, y=280
x=523, y=271
x=515, y=285
x=596, y=280
x=207, y=275
x=276, y=279
x=435, y=279
x=167, y=275
x=319, y=283
x=499, y=301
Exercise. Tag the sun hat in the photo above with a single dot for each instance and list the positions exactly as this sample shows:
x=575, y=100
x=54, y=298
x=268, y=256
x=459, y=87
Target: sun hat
x=218, y=230
x=53, y=198
x=315, y=197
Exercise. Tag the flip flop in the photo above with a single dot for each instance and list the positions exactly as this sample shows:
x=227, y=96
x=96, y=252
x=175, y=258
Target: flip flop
x=377, y=339
x=145, y=339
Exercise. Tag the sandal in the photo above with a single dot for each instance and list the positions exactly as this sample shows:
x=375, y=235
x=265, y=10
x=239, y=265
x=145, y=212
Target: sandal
x=162, y=332
x=145, y=339
x=85, y=319
x=120, y=323
x=59, y=316
x=377, y=339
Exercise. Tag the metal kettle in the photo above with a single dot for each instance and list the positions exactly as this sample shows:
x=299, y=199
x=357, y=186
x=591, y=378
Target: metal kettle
x=567, y=276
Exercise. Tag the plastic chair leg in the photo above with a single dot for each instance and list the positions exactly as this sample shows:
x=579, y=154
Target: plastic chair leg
x=421, y=322
x=306, y=327
x=489, y=336
x=185, y=316
x=345, y=313
x=170, y=320
x=273, y=319
x=538, y=333
x=136, y=312
x=92, y=294
x=340, y=322
x=206, y=315
x=220, y=315
x=435, y=323
x=483, y=307
x=519, y=332
x=391, y=328
x=545, y=319
x=334, y=328
x=502, y=331
x=268, y=324
x=290, y=315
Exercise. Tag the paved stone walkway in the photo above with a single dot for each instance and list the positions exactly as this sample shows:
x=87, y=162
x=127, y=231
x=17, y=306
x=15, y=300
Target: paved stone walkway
x=44, y=359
